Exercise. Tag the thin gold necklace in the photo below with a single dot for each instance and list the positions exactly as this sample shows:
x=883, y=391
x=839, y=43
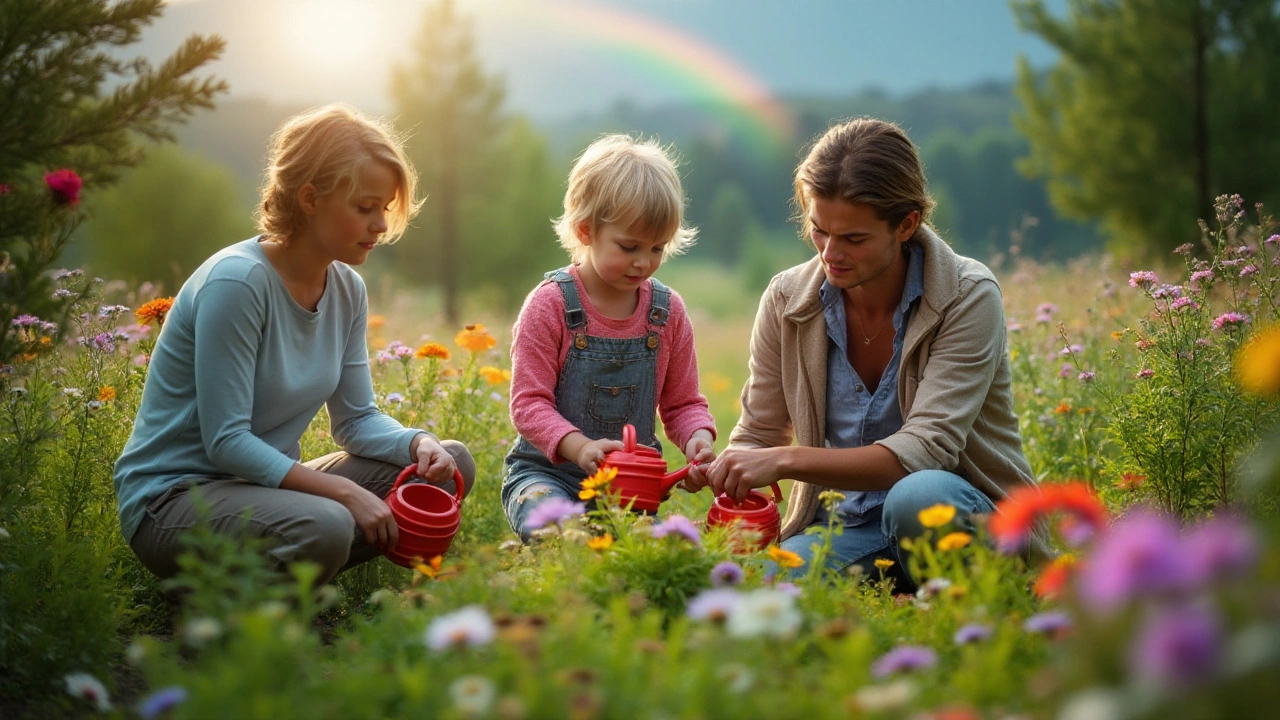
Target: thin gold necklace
x=867, y=340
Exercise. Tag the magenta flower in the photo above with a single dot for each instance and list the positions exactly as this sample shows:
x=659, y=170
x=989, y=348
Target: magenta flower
x=1222, y=548
x=1230, y=320
x=4, y=189
x=1183, y=302
x=679, y=525
x=1139, y=555
x=902, y=659
x=972, y=633
x=726, y=573
x=1146, y=373
x=65, y=186
x=1177, y=646
x=1143, y=279
x=554, y=510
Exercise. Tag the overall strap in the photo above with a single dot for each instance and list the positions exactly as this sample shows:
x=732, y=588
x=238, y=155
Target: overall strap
x=659, y=303
x=574, y=316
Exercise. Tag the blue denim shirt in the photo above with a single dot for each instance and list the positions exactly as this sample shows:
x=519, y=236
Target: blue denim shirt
x=856, y=417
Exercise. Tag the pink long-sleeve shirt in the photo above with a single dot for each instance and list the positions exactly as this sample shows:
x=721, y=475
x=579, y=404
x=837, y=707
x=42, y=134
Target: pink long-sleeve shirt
x=540, y=343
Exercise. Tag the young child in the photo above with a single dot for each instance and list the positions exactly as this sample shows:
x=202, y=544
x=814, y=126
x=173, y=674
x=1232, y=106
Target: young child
x=601, y=344
x=260, y=336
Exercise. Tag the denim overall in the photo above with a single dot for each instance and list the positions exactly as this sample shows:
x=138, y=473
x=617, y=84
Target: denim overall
x=605, y=383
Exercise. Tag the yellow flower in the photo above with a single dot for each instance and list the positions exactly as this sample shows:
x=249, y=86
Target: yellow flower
x=937, y=515
x=106, y=394
x=1258, y=362
x=475, y=338
x=716, y=382
x=377, y=321
x=155, y=309
x=785, y=558
x=432, y=350
x=494, y=375
x=588, y=493
x=884, y=563
x=431, y=568
x=591, y=486
x=600, y=543
x=954, y=541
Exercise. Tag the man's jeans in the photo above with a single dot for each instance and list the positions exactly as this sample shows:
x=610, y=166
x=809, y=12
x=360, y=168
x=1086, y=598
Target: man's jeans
x=877, y=534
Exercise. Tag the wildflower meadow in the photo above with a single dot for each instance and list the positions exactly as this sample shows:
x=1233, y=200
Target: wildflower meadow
x=1149, y=410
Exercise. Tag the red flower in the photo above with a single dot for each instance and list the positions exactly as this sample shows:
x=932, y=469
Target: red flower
x=1017, y=514
x=65, y=185
x=1054, y=577
x=1131, y=481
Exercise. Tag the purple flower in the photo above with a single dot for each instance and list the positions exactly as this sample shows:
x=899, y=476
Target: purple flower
x=715, y=605
x=553, y=510
x=1183, y=249
x=679, y=525
x=1167, y=291
x=726, y=573
x=161, y=701
x=1143, y=279
x=1053, y=622
x=972, y=633
x=1242, y=250
x=26, y=321
x=1087, y=376
x=61, y=293
x=1066, y=371
x=395, y=398
x=788, y=588
x=1177, y=646
x=1248, y=270
x=107, y=311
x=1139, y=555
x=102, y=342
x=1146, y=373
x=1044, y=318
x=1230, y=320
x=1184, y=302
x=904, y=658
x=1222, y=548
x=1071, y=350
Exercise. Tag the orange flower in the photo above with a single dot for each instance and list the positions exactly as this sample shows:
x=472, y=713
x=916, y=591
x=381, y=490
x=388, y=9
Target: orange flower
x=1117, y=335
x=1017, y=514
x=106, y=394
x=155, y=309
x=494, y=375
x=600, y=543
x=431, y=568
x=1054, y=577
x=377, y=321
x=475, y=338
x=785, y=558
x=432, y=350
x=1063, y=407
x=1131, y=481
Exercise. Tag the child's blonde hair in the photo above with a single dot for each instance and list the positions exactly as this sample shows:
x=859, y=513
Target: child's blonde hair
x=627, y=182
x=328, y=147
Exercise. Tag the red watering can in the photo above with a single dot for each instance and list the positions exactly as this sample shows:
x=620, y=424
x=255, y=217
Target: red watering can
x=642, y=477
x=428, y=517
x=757, y=514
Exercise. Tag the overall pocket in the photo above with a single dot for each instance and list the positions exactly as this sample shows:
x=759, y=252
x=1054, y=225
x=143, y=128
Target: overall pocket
x=611, y=404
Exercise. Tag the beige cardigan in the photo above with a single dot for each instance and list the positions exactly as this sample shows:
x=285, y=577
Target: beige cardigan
x=954, y=383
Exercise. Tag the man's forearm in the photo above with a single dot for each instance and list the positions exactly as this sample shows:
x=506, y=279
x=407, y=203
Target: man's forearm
x=871, y=467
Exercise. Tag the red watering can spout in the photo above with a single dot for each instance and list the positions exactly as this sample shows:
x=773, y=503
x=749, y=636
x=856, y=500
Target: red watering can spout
x=669, y=481
x=642, y=480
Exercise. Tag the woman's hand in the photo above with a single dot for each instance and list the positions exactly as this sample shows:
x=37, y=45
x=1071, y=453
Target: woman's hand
x=738, y=471
x=435, y=464
x=699, y=452
x=372, y=516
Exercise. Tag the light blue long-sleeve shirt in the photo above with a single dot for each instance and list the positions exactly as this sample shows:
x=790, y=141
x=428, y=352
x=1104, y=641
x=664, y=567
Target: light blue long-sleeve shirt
x=239, y=371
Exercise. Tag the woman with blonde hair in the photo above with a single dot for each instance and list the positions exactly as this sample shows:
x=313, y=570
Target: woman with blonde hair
x=259, y=337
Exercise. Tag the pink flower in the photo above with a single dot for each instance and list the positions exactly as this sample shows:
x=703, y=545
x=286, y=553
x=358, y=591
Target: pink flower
x=1066, y=371
x=1046, y=309
x=1143, y=279
x=1146, y=373
x=4, y=189
x=1183, y=302
x=65, y=185
x=1249, y=270
x=1087, y=376
x=1273, y=240
x=1230, y=320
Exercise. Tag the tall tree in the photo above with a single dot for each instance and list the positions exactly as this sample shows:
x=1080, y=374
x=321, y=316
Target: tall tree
x=454, y=111
x=68, y=101
x=1154, y=107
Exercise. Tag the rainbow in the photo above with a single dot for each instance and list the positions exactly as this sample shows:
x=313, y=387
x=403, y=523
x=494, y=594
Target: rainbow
x=697, y=69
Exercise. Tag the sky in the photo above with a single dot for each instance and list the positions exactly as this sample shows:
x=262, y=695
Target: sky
x=561, y=58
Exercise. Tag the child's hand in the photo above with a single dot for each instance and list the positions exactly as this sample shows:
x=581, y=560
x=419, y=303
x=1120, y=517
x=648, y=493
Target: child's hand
x=699, y=452
x=592, y=454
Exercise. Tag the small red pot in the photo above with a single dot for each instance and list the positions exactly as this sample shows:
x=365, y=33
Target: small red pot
x=427, y=516
x=757, y=514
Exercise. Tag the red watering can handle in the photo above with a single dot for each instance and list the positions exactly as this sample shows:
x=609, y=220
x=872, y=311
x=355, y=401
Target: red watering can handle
x=459, y=486
x=777, y=495
x=629, y=437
